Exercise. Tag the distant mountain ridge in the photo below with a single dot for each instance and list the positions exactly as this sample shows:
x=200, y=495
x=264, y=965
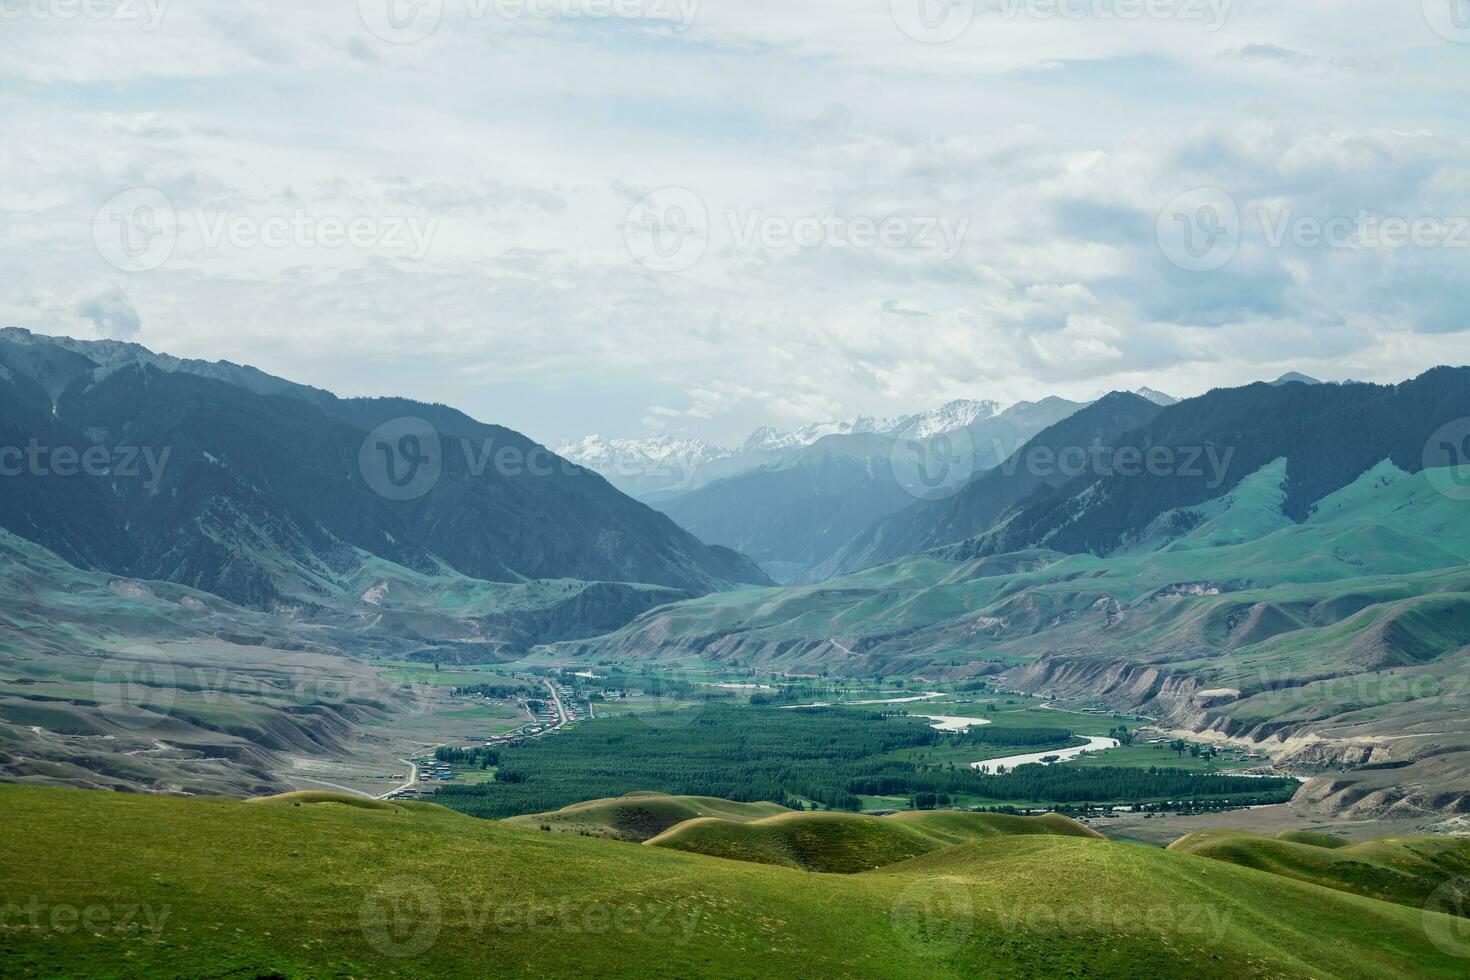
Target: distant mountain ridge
x=265, y=498
x=794, y=514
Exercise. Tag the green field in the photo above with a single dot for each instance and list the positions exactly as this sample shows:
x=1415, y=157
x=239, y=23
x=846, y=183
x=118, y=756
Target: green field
x=848, y=843
x=841, y=758
x=1408, y=870
x=290, y=888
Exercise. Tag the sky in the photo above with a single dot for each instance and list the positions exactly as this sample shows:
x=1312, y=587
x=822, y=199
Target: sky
x=697, y=217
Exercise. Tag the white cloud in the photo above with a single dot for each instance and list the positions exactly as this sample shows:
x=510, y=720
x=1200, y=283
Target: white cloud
x=523, y=145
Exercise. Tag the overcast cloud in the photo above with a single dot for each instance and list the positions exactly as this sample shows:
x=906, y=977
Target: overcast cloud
x=642, y=216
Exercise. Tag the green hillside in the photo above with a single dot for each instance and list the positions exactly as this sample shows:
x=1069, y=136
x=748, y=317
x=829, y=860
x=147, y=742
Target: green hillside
x=111, y=885
x=1349, y=624
x=1406, y=870
x=847, y=843
x=639, y=816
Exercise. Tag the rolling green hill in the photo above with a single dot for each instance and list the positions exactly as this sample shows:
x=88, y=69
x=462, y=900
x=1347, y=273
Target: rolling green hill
x=847, y=843
x=640, y=816
x=1406, y=870
x=1351, y=625
x=110, y=885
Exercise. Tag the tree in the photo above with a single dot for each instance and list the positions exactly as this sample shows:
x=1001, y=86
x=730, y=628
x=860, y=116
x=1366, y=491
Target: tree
x=1178, y=745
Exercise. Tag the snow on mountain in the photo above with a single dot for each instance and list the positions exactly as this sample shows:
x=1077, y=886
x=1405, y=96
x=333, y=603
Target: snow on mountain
x=955, y=415
x=767, y=439
x=645, y=467
x=642, y=457
x=1157, y=397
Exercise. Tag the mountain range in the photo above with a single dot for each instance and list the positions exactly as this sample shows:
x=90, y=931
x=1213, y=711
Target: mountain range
x=659, y=467
x=1282, y=565
x=276, y=496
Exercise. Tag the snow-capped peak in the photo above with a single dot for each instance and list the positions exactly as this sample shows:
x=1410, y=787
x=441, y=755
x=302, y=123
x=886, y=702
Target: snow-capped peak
x=955, y=415
x=1157, y=397
x=599, y=454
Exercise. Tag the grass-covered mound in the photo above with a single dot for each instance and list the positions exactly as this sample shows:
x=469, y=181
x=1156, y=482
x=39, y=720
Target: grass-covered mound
x=1406, y=870
x=847, y=843
x=640, y=816
x=1313, y=838
x=108, y=885
x=957, y=827
x=323, y=798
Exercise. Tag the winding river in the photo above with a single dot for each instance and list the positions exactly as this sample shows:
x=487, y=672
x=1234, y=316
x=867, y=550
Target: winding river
x=1095, y=743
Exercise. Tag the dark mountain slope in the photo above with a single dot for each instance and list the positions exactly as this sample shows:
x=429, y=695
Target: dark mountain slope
x=265, y=497
x=1032, y=469
x=794, y=514
x=797, y=513
x=1329, y=435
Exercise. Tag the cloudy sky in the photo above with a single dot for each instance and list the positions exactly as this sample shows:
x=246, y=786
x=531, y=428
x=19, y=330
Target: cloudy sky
x=699, y=216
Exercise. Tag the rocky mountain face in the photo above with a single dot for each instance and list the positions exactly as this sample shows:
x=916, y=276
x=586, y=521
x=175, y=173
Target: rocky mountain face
x=793, y=515
x=270, y=494
x=975, y=506
x=662, y=467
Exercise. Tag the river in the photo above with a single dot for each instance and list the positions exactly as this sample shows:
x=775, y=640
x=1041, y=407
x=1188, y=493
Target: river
x=1095, y=743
